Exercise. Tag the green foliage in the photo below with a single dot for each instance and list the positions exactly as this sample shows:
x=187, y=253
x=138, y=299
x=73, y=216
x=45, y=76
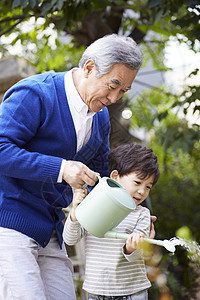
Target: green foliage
x=162, y=17
x=151, y=107
x=175, y=201
x=176, y=194
x=61, y=58
x=159, y=110
x=184, y=233
x=64, y=58
x=177, y=144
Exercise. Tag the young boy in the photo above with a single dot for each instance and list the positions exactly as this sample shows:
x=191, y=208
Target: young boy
x=115, y=268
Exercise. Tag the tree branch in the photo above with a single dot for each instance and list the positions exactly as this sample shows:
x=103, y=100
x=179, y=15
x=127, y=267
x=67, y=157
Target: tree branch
x=11, y=28
x=7, y=19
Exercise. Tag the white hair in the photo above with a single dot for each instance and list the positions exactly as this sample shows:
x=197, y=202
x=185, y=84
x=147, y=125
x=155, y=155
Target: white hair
x=112, y=49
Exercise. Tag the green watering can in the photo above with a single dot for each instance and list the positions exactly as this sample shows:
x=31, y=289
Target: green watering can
x=105, y=207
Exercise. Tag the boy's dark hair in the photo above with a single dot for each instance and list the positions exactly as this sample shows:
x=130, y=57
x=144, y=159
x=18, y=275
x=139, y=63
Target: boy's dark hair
x=129, y=158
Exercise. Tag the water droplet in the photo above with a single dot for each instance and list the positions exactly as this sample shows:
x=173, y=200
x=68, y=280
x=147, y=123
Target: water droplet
x=191, y=247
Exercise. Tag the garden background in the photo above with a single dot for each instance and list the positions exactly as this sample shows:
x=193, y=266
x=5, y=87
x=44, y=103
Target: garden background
x=52, y=35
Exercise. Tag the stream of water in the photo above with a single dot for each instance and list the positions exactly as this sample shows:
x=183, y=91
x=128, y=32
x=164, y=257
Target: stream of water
x=191, y=247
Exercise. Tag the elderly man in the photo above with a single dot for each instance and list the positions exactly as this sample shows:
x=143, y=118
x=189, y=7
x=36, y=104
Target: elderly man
x=54, y=135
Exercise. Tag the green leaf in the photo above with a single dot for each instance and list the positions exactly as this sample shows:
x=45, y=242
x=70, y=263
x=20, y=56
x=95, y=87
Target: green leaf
x=153, y=3
x=24, y=3
x=33, y=3
x=60, y=4
x=46, y=7
x=16, y=3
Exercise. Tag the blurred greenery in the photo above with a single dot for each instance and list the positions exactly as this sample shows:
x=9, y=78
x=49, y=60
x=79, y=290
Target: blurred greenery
x=177, y=144
x=175, y=198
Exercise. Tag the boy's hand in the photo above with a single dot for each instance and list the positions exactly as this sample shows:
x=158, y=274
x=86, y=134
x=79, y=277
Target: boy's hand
x=78, y=197
x=133, y=242
x=152, y=229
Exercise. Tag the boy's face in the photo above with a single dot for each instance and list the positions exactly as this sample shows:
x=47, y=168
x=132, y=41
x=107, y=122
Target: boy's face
x=138, y=188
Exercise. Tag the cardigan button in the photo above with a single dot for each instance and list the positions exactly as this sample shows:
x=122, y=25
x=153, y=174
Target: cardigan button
x=45, y=243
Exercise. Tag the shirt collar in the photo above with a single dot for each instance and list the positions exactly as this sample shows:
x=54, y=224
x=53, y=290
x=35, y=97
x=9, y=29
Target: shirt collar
x=74, y=96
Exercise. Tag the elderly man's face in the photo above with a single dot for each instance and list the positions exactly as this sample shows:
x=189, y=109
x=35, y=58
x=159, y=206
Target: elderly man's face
x=103, y=91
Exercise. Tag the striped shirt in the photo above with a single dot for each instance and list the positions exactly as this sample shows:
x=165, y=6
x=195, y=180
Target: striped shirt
x=108, y=270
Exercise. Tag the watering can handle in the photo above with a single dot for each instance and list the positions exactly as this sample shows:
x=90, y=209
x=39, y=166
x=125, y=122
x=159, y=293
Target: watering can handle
x=85, y=185
x=120, y=235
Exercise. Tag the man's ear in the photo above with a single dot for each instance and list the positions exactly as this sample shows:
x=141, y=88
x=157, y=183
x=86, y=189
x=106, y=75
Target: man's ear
x=114, y=175
x=89, y=67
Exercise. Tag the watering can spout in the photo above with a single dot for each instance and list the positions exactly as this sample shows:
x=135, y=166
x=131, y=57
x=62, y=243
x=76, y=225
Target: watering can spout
x=168, y=245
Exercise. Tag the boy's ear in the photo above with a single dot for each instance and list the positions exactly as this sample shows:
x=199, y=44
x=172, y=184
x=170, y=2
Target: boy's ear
x=114, y=175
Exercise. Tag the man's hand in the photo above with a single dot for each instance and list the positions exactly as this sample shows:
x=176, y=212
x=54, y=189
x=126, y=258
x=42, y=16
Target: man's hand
x=77, y=174
x=152, y=229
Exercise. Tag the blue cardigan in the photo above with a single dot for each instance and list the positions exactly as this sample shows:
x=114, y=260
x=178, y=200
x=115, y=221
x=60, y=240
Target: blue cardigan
x=36, y=133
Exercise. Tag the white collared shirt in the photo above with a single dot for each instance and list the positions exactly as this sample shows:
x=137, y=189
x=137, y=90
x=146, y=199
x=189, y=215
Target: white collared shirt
x=79, y=110
x=82, y=118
